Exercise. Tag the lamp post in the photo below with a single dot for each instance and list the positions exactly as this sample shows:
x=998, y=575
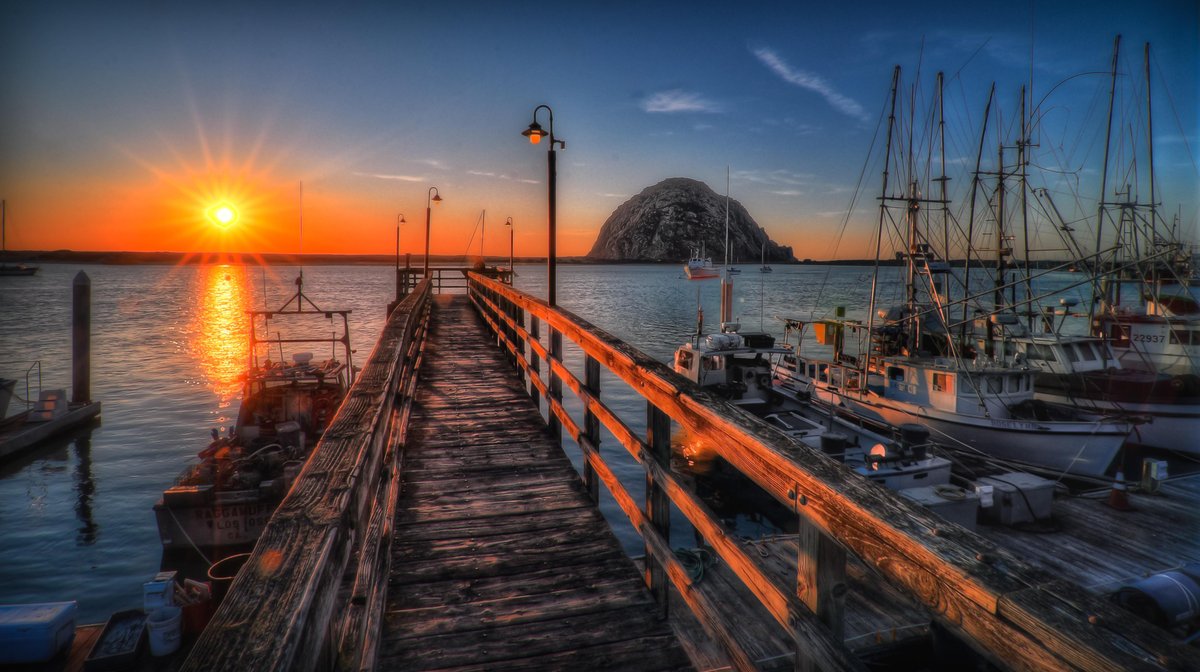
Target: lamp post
x=535, y=133
x=400, y=288
x=432, y=197
x=511, y=229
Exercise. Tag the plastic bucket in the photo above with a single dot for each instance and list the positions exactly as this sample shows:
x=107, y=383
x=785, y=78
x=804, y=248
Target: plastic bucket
x=223, y=572
x=163, y=625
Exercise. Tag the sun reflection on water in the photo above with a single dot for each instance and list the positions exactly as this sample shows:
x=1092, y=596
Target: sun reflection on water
x=219, y=332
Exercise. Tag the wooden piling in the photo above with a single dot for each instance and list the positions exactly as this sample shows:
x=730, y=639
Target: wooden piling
x=81, y=338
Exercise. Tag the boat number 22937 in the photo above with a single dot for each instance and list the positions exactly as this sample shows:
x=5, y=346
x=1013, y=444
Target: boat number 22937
x=1148, y=338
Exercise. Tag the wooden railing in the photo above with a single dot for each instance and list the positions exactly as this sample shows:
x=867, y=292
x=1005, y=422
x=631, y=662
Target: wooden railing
x=1018, y=616
x=288, y=608
x=446, y=279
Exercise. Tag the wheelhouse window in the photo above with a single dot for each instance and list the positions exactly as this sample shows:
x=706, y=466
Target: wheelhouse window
x=995, y=384
x=683, y=360
x=1039, y=351
x=1089, y=355
x=1072, y=353
x=943, y=382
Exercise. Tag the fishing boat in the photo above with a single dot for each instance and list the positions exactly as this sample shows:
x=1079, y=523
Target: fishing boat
x=10, y=269
x=288, y=400
x=910, y=363
x=1139, y=351
x=738, y=366
x=699, y=267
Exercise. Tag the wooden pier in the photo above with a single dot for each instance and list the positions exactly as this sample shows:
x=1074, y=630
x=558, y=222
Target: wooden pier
x=438, y=525
x=500, y=560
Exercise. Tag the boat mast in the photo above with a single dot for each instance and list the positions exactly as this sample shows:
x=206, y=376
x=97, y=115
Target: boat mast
x=887, y=158
x=1150, y=159
x=1102, y=295
x=1023, y=177
x=726, y=281
x=3, y=226
x=987, y=110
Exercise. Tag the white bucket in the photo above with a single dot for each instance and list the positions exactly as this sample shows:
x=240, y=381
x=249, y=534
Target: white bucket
x=164, y=630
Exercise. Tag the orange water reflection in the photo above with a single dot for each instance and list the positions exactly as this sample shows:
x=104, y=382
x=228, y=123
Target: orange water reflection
x=219, y=332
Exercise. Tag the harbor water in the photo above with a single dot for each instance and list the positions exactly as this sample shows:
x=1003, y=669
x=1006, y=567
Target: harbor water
x=169, y=349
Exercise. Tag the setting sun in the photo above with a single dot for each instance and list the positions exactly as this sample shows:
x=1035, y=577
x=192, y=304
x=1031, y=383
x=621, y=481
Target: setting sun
x=223, y=215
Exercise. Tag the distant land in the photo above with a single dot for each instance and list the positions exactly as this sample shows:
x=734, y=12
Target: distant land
x=215, y=258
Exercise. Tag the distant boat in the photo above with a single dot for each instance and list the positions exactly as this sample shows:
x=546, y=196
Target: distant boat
x=6, y=269
x=764, y=268
x=699, y=267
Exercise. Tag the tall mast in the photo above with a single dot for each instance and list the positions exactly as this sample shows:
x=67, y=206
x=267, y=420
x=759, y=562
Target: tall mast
x=987, y=110
x=1112, y=94
x=1023, y=176
x=1150, y=158
x=887, y=159
x=726, y=281
x=3, y=226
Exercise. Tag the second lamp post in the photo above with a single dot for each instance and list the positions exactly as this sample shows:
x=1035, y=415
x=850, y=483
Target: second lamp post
x=432, y=197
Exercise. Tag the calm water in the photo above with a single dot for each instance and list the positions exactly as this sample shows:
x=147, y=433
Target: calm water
x=168, y=348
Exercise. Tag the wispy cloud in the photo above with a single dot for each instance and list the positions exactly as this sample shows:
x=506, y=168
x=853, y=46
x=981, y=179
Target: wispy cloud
x=384, y=176
x=433, y=163
x=775, y=177
x=606, y=194
x=815, y=83
x=702, y=127
x=500, y=176
x=677, y=100
x=786, y=192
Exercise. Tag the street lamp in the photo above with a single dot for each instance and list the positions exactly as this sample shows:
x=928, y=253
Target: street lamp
x=399, y=281
x=511, y=229
x=535, y=133
x=432, y=197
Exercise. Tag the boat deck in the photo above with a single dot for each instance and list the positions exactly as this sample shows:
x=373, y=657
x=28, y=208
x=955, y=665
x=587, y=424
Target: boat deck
x=500, y=559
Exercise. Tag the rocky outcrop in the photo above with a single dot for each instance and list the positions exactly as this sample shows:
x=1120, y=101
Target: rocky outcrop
x=669, y=220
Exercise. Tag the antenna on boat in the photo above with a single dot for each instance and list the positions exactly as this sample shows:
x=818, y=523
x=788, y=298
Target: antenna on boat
x=300, y=279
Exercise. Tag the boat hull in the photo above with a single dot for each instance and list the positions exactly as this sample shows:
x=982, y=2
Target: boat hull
x=1168, y=426
x=1079, y=448
x=209, y=526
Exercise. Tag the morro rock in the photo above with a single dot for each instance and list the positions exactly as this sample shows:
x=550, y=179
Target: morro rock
x=669, y=220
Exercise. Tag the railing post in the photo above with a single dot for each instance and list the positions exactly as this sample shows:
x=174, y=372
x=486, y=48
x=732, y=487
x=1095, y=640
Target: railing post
x=591, y=424
x=658, y=504
x=820, y=583
x=535, y=362
x=556, y=353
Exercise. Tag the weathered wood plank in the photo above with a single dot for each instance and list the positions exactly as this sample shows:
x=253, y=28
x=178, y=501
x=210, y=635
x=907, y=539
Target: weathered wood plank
x=497, y=541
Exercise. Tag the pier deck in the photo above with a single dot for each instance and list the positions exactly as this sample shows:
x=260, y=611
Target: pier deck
x=500, y=559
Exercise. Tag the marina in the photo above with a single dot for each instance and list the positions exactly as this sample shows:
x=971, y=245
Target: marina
x=950, y=424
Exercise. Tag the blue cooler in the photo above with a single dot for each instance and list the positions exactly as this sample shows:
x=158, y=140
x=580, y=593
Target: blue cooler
x=35, y=633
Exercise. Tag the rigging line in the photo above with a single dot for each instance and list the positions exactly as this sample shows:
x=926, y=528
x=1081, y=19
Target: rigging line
x=858, y=187
x=1175, y=112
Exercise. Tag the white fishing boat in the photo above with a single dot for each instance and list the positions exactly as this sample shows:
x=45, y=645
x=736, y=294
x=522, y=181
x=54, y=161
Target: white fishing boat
x=738, y=366
x=699, y=267
x=913, y=365
x=226, y=499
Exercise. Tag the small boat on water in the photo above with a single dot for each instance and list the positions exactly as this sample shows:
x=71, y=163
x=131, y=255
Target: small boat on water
x=699, y=267
x=763, y=254
x=10, y=269
x=288, y=400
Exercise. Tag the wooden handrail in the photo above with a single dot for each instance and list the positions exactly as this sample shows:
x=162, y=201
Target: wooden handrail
x=283, y=611
x=1017, y=614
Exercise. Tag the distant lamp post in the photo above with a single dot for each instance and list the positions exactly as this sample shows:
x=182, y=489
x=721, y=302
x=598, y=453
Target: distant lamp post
x=535, y=133
x=432, y=197
x=511, y=229
x=400, y=288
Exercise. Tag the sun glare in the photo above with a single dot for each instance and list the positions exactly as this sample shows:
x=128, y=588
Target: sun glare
x=223, y=215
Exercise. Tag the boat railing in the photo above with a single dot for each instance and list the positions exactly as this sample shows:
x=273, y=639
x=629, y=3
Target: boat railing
x=33, y=381
x=1015, y=613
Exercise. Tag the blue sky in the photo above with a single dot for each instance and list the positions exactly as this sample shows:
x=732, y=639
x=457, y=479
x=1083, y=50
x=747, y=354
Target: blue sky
x=108, y=107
